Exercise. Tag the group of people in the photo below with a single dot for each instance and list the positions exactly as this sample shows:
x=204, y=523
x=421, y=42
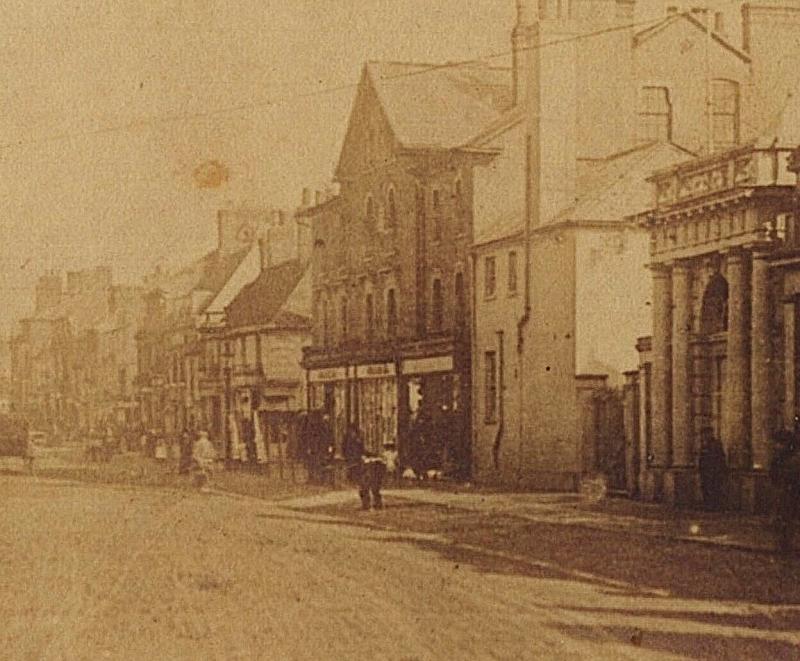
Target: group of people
x=195, y=452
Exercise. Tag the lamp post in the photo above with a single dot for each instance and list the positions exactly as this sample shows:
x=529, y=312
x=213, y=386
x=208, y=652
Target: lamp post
x=227, y=356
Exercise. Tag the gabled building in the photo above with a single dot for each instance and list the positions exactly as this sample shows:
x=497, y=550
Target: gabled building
x=390, y=353
x=266, y=326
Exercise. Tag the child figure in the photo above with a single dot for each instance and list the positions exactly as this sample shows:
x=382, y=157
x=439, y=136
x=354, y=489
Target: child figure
x=390, y=457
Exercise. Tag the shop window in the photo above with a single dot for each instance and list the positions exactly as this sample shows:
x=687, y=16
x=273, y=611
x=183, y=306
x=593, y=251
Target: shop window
x=369, y=314
x=391, y=313
x=655, y=115
x=391, y=208
x=512, y=272
x=490, y=386
x=437, y=305
x=489, y=277
x=725, y=113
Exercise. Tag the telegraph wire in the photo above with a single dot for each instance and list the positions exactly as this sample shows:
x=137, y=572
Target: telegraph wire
x=150, y=122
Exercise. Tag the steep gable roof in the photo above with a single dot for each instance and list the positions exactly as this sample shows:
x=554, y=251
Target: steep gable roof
x=442, y=105
x=263, y=300
x=687, y=19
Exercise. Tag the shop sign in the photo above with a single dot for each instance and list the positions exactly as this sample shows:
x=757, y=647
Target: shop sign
x=428, y=365
x=375, y=371
x=331, y=374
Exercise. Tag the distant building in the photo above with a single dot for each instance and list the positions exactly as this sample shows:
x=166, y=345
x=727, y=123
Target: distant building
x=67, y=357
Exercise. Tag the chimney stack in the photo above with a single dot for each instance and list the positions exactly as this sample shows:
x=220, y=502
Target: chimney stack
x=522, y=47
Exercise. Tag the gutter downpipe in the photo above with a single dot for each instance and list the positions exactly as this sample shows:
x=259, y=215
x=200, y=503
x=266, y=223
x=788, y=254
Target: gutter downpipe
x=532, y=216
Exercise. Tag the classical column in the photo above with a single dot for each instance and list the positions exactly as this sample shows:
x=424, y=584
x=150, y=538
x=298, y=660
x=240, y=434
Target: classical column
x=736, y=394
x=682, y=435
x=760, y=361
x=662, y=366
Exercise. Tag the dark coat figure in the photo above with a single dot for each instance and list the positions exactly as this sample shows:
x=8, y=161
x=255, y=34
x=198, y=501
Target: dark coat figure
x=784, y=474
x=317, y=439
x=364, y=469
x=353, y=450
x=713, y=471
x=185, y=456
x=249, y=439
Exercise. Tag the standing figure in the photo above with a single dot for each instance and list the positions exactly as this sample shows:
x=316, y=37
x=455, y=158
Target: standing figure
x=713, y=470
x=353, y=450
x=784, y=474
x=185, y=453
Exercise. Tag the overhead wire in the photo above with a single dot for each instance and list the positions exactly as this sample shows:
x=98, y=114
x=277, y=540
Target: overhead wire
x=149, y=122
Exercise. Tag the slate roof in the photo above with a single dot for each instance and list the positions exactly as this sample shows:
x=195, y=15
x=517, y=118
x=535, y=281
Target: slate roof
x=441, y=106
x=261, y=301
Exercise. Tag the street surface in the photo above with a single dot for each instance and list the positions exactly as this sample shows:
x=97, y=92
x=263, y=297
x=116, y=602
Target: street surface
x=121, y=572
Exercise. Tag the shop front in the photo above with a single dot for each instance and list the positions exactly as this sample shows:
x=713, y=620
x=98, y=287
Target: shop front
x=434, y=430
x=329, y=392
x=376, y=404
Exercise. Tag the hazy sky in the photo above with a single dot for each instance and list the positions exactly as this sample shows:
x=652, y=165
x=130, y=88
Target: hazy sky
x=127, y=197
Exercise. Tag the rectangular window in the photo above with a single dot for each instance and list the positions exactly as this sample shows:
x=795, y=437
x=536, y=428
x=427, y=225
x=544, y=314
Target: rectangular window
x=725, y=113
x=489, y=277
x=655, y=115
x=490, y=384
x=512, y=272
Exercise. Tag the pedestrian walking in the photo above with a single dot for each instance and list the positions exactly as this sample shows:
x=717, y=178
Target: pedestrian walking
x=203, y=455
x=365, y=469
x=713, y=470
x=785, y=477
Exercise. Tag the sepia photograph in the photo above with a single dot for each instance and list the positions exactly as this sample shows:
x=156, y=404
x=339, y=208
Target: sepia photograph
x=403, y=330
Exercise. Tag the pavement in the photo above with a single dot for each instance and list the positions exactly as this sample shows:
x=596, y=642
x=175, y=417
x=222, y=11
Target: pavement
x=725, y=529
x=103, y=571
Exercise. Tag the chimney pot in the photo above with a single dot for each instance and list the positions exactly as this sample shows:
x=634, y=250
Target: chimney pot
x=318, y=197
x=306, y=197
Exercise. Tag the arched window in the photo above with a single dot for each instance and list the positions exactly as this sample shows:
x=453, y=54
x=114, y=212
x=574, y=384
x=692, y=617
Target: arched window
x=655, y=115
x=437, y=306
x=370, y=210
x=391, y=208
x=437, y=214
x=714, y=315
x=391, y=313
x=369, y=317
x=725, y=113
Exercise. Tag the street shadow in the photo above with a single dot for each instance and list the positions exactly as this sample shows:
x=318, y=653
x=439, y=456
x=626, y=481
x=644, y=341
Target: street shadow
x=617, y=557
x=707, y=645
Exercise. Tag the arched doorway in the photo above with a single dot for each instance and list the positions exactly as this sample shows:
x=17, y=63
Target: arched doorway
x=712, y=354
